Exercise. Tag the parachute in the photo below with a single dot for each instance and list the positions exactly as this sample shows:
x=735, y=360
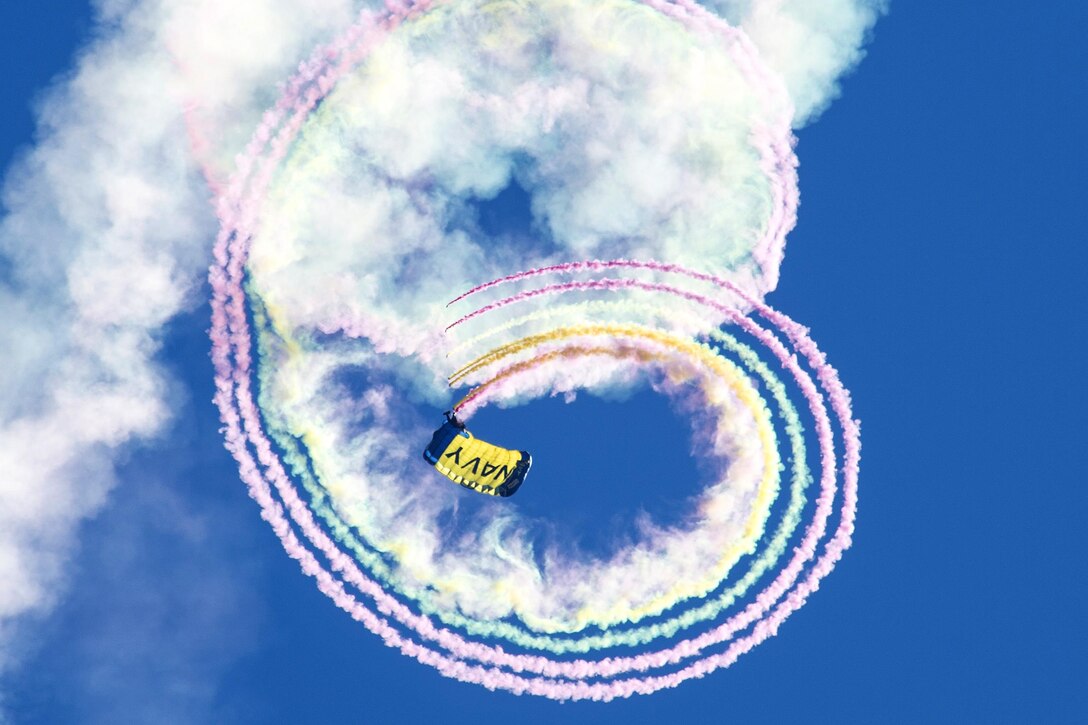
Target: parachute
x=476, y=464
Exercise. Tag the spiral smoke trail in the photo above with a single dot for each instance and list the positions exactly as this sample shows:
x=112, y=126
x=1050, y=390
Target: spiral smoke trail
x=644, y=131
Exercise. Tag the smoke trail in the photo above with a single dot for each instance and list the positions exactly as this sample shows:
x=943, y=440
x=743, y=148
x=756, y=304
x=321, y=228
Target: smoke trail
x=640, y=130
x=388, y=549
x=763, y=602
x=376, y=564
x=104, y=240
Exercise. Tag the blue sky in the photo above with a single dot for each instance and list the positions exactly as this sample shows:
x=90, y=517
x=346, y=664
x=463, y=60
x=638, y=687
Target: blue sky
x=938, y=260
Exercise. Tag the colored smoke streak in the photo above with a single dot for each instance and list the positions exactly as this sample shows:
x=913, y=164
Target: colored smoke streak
x=735, y=619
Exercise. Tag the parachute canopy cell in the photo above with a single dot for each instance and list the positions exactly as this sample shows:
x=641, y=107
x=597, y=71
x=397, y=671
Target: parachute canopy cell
x=476, y=464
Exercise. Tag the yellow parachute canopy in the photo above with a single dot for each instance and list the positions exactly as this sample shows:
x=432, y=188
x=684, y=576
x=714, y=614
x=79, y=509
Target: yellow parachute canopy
x=476, y=464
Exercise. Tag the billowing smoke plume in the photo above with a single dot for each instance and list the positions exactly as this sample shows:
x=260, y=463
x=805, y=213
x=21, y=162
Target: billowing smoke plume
x=110, y=217
x=812, y=44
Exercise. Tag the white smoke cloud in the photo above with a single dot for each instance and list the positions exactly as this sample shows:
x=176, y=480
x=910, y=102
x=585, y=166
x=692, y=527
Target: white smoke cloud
x=163, y=603
x=106, y=231
x=811, y=43
x=107, y=226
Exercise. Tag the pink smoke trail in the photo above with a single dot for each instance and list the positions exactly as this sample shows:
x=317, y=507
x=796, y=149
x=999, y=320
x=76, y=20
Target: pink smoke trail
x=230, y=336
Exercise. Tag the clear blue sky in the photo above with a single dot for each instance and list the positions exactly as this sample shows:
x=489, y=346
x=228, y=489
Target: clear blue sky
x=939, y=260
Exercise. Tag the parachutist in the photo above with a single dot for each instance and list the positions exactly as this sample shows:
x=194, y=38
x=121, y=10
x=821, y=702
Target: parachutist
x=473, y=463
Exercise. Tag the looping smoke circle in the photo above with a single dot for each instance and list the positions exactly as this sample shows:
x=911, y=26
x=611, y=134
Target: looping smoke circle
x=354, y=217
